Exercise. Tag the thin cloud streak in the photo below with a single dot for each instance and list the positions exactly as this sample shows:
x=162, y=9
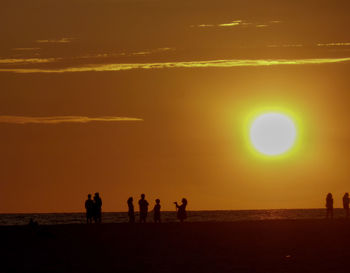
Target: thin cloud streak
x=335, y=44
x=262, y=25
x=141, y=53
x=29, y=60
x=286, y=45
x=62, y=119
x=190, y=64
x=55, y=41
x=236, y=23
x=26, y=48
x=111, y=55
x=205, y=25
x=232, y=24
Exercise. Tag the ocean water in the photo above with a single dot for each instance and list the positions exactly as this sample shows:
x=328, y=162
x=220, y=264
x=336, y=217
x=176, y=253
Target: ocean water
x=170, y=216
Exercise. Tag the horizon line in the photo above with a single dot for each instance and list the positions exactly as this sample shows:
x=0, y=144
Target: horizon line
x=321, y=208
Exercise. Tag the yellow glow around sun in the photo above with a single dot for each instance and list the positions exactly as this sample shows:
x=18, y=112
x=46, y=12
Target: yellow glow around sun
x=273, y=132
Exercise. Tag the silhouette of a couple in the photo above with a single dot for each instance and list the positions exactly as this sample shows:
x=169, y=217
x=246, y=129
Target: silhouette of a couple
x=143, y=205
x=93, y=209
x=330, y=201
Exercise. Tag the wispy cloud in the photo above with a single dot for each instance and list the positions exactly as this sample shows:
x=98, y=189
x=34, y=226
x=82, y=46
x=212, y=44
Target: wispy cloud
x=62, y=119
x=135, y=53
x=165, y=49
x=236, y=23
x=141, y=53
x=262, y=25
x=228, y=24
x=101, y=55
x=55, y=41
x=335, y=44
x=26, y=48
x=151, y=51
x=28, y=60
x=286, y=45
x=231, y=24
x=189, y=64
x=35, y=60
x=205, y=25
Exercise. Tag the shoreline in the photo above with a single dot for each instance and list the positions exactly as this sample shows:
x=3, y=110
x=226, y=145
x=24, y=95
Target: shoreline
x=248, y=221
x=171, y=216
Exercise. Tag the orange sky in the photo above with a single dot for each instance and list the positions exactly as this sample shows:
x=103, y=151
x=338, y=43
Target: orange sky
x=132, y=96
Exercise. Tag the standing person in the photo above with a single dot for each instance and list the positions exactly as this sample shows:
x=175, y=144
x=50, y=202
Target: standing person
x=181, y=210
x=329, y=205
x=98, y=208
x=89, y=206
x=143, y=204
x=346, y=201
x=131, y=212
x=156, y=211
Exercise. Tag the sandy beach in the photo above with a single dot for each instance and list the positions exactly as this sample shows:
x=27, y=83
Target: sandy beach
x=250, y=246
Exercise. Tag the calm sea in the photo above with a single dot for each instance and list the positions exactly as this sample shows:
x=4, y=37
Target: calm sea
x=193, y=216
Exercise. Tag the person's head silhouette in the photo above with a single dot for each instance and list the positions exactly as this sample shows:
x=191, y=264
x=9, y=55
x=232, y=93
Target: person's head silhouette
x=346, y=194
x=184, y=201
x=329, y=196
x=130, y=200
x=157, y=201
x=143, y=196
x=89, y=196
x=97, y=194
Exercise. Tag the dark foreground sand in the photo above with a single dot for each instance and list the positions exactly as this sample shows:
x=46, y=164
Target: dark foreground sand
x=256, y=246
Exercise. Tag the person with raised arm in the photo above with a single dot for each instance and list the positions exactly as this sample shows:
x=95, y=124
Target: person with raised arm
x=181, y=210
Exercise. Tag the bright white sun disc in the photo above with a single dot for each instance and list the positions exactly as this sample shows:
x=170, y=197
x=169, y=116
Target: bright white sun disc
x=272, y=134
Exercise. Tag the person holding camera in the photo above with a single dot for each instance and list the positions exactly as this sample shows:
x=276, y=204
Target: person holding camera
x=181, y=210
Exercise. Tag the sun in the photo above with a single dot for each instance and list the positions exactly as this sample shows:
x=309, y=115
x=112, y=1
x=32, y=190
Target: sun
x=273, y=134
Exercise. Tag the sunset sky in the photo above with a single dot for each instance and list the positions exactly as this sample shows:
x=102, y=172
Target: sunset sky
x=124, y=97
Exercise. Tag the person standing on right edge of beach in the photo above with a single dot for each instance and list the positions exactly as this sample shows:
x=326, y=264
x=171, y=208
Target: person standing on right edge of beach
x=329, y=205
x=131, y=212
x=181, y=210
x=346, y=201
x=143, y=204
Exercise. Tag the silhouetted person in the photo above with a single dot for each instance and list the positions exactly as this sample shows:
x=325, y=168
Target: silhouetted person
x=97, y=208
x=156, y=211
x=346, y=201
x=329, y=205
x=143, y=209
x=89, y=206
x=33, y=224
x=131, y=212
x=181, y=210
